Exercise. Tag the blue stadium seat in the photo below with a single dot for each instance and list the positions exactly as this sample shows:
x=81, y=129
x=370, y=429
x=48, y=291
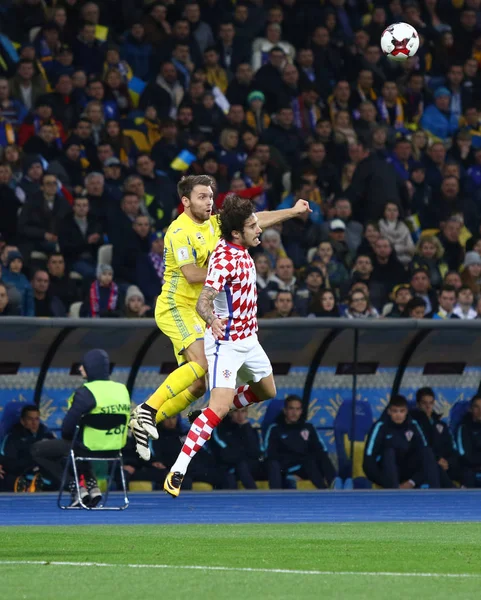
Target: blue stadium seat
x=456, y=415
x=10, y=417
x=272, y=412
x=342, y=437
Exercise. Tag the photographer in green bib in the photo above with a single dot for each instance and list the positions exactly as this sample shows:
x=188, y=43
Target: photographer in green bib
x=98, y=396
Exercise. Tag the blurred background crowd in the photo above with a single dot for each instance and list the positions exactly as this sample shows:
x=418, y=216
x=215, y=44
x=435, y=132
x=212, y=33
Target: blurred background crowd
x=105, y=105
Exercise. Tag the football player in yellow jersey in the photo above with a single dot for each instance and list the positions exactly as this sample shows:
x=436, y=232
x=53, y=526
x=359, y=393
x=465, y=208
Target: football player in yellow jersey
x=188, y=244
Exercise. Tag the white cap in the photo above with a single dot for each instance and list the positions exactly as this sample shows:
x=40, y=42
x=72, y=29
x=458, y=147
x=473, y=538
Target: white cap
x=337, y=224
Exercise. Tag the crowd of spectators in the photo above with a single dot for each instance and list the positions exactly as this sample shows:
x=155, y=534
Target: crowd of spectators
x=104, y=106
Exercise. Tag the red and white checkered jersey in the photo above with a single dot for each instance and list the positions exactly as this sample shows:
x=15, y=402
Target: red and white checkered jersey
x=232, y=273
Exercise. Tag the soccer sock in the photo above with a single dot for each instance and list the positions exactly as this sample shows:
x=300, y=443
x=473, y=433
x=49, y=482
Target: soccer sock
x=175, y=405
x=175, y=383
x=198, y=435
x=245, y=397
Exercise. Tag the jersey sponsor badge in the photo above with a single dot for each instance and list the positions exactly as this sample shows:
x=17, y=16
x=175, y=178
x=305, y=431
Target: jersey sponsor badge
x=183, y=253
x=409, y=435
x=439, y=427
x=305, y=434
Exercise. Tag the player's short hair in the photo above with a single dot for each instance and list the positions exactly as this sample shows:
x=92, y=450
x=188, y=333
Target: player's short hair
x=27, y=409
x=292, y=398
x=235, y=212
x=398, y=400
x=424, y=391
x=188, y=183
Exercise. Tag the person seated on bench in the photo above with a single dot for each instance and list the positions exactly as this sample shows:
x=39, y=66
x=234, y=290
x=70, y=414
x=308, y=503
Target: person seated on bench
x=396, y=453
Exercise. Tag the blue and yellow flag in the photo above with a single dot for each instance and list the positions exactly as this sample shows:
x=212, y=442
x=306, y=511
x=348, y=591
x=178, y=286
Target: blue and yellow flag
x=136, y=87
x=182, y=161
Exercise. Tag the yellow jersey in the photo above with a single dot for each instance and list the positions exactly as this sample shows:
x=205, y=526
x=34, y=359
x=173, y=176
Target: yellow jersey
x=186, y=243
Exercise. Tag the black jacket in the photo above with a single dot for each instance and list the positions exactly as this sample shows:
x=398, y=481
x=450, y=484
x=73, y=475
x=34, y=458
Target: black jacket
x=36, y=219
x=292, y=443
x=97, y=367
x=437, y=434
x=9, y=206
x=17, y=445
x=73, y=244
x=406, y=439
x=469, y=442
x=233, y=443
x=374, y=184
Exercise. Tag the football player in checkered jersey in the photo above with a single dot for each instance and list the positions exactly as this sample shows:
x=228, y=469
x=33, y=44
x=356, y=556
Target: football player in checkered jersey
x=228, y=305
x=189, y=242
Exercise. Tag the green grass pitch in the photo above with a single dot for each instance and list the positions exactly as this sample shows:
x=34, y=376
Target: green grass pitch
x=371, y=561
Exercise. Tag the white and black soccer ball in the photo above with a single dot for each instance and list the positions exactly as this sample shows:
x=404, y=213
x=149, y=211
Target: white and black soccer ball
x=399, y=41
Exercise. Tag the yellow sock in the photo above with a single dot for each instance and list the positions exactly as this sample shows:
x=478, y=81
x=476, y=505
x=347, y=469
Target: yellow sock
x=174, y=406
x=175, y=383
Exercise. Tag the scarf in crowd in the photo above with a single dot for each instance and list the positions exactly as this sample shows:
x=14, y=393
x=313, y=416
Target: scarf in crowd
x=95, y=298
x=383, y=111
x=301, y=112
x=334, y=107
x=159, y=265
x=259, y=201
x=371, y=95
x=7, y=133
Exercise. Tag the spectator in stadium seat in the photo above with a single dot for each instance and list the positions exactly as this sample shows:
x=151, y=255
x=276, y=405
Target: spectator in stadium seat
x=61, y=286
x=284, y=135
x=68, y=167
x=421, y=286
x=283, y=306
x=26, y=86
x=13, y=276
x=127, y=251
x=438, y=436
x=359, y=306
x=437, y=118
x=400, y=296
x=415, y=308
x=343, y=211
x=164, y=93
x=362, y=272
x=464, y=306
x=44, y=143
x=283, y=278
x=41, y=217
x=447, y=301
x=88, y=51
x=46, y=305
x=16, y=449
x=9, y=205
x=236, y=445
x=293, y=447
x=135, y=307
x=374, y=184
x=449, y=238
x=7, y=309
x=136, y=51
x=11, y=110
x=31, y=180
x=103, y=298
x=272, y=246
x=429, y=256
x=397, y=232
x=387, y=269
x=471, y=275
x=396, y=454
x=80, y=236
x=149, y=270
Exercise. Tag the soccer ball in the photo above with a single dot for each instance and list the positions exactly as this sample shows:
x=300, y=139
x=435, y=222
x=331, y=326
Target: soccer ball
x=399, y=41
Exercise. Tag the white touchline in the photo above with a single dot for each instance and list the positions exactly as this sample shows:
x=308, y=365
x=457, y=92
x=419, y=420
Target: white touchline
x=240, y=569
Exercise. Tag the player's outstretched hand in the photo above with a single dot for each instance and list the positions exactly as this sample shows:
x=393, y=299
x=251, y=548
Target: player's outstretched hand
x=301, y=207
x=218, y=327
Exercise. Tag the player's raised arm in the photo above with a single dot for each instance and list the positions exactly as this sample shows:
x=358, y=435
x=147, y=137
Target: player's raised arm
x=272, y=217
x=205, y=308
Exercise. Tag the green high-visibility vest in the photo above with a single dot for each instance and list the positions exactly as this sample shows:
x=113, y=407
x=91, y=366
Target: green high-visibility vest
x=111, y=398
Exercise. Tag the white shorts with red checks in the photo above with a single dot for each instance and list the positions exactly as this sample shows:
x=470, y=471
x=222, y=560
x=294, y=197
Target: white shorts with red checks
x=234, y=363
